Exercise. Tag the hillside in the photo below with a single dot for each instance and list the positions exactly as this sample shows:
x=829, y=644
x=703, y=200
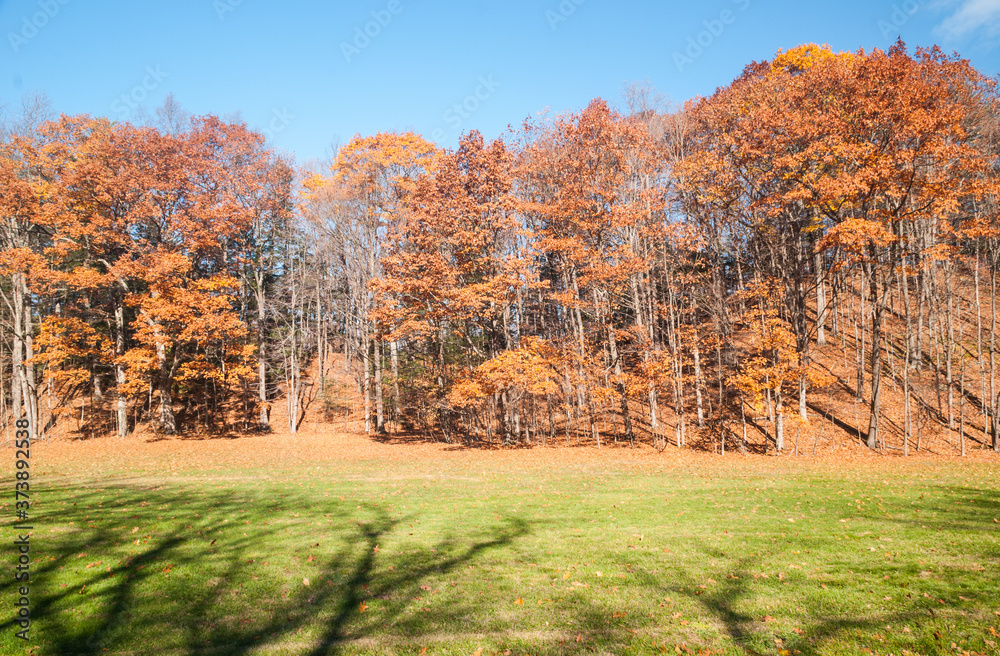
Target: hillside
x=837, y=426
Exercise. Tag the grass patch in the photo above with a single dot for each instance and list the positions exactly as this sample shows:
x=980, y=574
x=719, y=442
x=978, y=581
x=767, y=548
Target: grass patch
x=393, y=557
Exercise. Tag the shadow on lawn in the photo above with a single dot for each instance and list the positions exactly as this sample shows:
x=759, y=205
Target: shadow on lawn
x=159, y=590
x=825, y=626
x=933, y=600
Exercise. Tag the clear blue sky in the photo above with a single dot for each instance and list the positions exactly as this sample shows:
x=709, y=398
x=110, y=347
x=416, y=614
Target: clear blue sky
x=300, y=70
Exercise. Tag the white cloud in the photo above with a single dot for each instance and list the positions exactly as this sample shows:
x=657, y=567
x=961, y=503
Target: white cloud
x=972, y=16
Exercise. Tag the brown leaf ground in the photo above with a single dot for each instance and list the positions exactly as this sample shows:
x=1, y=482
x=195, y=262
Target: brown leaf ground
x=321, y=444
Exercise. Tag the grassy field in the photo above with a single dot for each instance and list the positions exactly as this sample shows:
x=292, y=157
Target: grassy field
x=273, y=545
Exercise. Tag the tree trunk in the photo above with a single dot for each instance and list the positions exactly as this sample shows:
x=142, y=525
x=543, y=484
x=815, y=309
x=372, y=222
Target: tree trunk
x=122, y=403
x=876, y=360
x=779, y=429
x=396, y=404
x=622, y=392
x=365, y=361
x=820, y=299
x=379, y=405
x=950, y=351
x=264, y=419
x=698, y=383
x=994, y=401
x=168, y=422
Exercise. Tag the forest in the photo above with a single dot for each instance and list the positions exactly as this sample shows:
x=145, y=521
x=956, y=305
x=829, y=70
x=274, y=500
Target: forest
x=818, y=242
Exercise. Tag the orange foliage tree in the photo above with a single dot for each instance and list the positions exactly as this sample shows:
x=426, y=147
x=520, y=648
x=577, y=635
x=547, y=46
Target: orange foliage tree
x=455, y=270
x=144, y=247
x=354, y=208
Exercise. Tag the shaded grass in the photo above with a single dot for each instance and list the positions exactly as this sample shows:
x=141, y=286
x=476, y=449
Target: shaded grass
x=389, y=558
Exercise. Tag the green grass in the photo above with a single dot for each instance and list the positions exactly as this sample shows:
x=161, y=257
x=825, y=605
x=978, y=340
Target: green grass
x=728, y=557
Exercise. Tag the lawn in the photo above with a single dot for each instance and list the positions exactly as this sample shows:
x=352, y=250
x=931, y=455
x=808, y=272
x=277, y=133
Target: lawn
x=278, y=545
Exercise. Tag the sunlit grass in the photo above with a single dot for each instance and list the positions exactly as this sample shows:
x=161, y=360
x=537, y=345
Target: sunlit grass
x=390, y=558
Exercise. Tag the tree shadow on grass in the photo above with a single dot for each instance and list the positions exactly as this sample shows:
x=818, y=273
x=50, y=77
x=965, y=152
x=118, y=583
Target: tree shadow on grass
x=89, y=616
x=393, y=590
x=842, y=613
x=199, y=586
x=956, y=508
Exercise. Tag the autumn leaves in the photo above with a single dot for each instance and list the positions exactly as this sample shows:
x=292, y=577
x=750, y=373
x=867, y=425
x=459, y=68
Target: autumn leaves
x=484, y=263
x=825, y=165
x=588, y=276
x=140, y=243
x=598, y=272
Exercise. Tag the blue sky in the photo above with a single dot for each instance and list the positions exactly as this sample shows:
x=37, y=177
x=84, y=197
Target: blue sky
x=311, y=73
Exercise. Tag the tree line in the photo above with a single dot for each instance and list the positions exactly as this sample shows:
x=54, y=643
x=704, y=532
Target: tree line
x=656, y=274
